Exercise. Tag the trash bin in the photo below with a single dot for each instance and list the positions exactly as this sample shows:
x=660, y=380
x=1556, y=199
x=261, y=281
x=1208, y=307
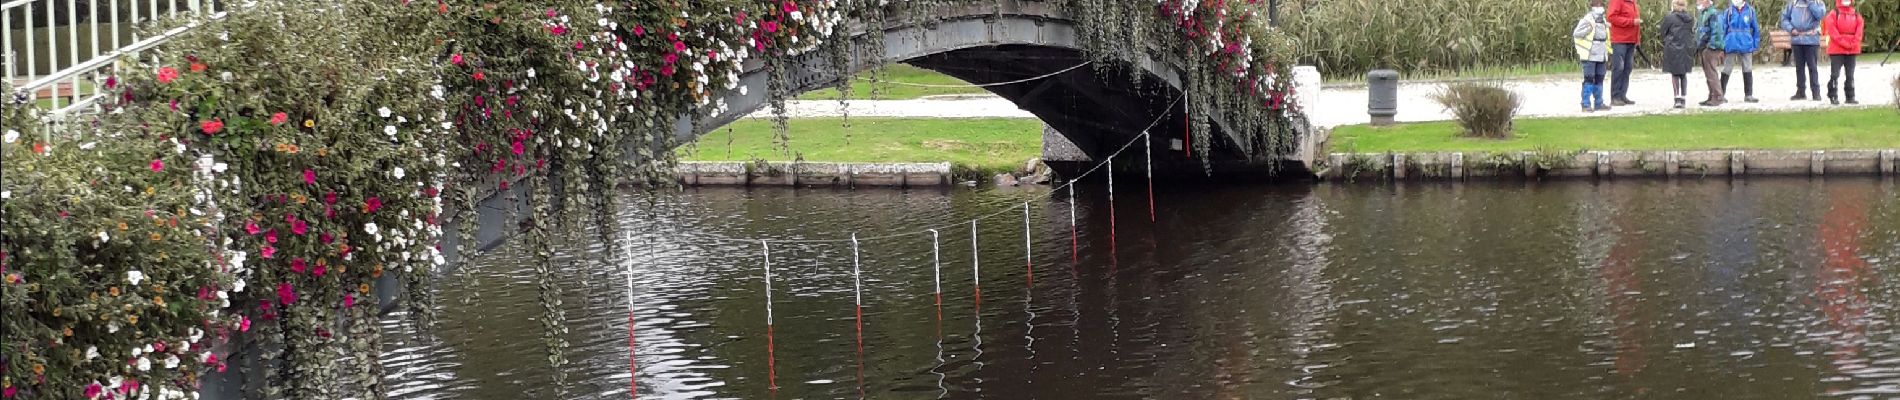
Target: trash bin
x=1382, y=96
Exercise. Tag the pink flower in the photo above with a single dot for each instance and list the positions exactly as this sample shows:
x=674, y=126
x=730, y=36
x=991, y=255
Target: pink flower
x=349, y=300
x=578, y=45
x=372, y=204
x=550, y=13
x=244, y=324
x=158, y=165
x=112, y=81
x=557, y=30
x=251, y=227
x=771, y=26
x=679, y=46
x=167, y=75
x=739, y=19
x=92, y=391
x=286, y=294
x=278, y=118
x=211, y=358
x=639, y=30
x=455, y=58
x=329, y=197
x=517, y=148
x=270, y=236
x=309, y=177
x=267, y=251
x=318, y=270
x=478, y=76
x=211, y=127
x=790, y=7
x=298, y=227
x=324, y=238
x=297, y=265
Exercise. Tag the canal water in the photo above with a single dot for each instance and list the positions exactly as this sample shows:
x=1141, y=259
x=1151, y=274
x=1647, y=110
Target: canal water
x=1747, y=289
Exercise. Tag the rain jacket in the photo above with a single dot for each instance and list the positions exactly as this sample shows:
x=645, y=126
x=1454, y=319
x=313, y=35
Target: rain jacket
x=1742, y=31
x=1589, y=37
x=1709, y=29
x=1803, y=16
x=1844, y=29
x=1679, y=43
x=1623, y=16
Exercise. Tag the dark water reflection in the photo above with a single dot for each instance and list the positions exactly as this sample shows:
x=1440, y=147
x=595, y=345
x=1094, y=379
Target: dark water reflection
x=1768, y=289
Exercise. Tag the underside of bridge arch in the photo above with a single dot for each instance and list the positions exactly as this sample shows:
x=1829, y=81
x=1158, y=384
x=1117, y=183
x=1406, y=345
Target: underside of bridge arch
x=1098, y=108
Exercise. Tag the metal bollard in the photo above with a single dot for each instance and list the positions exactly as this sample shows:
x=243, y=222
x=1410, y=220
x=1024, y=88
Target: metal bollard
x=1382, y=96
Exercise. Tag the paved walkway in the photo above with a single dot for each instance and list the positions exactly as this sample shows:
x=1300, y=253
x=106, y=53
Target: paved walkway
x=1346, y=105
x=1560, y=97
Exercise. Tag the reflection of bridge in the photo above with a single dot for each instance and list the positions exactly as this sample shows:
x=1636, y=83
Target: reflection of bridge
x=1097, y=108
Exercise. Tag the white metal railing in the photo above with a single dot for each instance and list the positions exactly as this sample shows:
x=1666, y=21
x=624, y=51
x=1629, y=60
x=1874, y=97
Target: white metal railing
x=58, y=57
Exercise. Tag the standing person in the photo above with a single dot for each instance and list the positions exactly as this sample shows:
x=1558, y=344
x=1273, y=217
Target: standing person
x=1741, y=37
x=1709, y=38
x=1590, y=37
x=1625, y=32
x=1679, y=45
x=1843, y=27
x=1802, y=20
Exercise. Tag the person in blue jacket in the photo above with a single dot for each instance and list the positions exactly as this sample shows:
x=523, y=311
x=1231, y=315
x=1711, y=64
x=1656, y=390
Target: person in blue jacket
x=1802, y=20
x=1709, y=37
x=1742, y=37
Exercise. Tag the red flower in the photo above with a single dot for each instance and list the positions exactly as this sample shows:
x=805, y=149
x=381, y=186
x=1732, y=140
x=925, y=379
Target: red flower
x=518, y=148
x=557, y=30
x=318, y=270
x=286, y=294
x=298, y=227
x=198, y=67
x=349, y=300
x=478, y=76
x=324, y=238
x=455, y=59
x=92, y=390
x=296, y=265
x=158, y=165
x=309, y=177
x=211, y=127
x=372, y=204
x=278, y=118
x=329, y=197
x=112, y=82
x=167, y=74
x=639, y=30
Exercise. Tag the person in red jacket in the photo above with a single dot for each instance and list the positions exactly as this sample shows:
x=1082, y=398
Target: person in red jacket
x=1626, y=30
x=1843, y=28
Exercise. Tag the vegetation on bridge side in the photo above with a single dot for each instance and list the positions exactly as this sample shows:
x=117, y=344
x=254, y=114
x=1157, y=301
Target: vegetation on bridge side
x=1857, y=128
x=306, y=151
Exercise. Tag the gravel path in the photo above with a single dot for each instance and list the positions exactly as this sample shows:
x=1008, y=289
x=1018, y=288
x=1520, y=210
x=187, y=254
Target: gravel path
x=1346, y=105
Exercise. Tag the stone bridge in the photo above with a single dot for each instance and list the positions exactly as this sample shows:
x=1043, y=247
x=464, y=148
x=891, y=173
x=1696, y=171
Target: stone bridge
x=1090, y=111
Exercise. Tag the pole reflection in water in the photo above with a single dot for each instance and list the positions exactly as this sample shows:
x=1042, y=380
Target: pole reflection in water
x=1630, y=289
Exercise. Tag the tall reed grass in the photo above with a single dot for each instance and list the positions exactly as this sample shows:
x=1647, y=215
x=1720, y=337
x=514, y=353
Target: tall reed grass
x=1459, y=37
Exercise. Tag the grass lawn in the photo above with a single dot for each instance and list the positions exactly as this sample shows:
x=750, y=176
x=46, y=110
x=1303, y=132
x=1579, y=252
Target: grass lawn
x=1856, y=128
x=861, y=88
x=986, y=144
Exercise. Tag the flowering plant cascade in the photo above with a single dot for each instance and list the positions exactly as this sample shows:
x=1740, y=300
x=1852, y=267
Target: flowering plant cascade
x=258, y=178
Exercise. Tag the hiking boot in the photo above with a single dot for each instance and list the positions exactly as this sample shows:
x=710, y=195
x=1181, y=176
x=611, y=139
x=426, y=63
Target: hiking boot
x=1679, y=103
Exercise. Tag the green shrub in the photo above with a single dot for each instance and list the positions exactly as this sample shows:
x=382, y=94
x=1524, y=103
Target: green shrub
x=1483, y=110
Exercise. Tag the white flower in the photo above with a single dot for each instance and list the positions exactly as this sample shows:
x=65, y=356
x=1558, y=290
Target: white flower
x=530, y=72
x=145, y=364
x=447, y=125
x=171, y=362
x=369, y=228
x=238, y=286
x=6, y=194
x=92, y=352
x=12, y=135
x=219, y=167
x=112, y=327
x=397, y=172
x=389, y=130
x=134, y=276
x=383, y=111
x=436, y=91
x=88, y=145
x=103, y=237
x=225, y=76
